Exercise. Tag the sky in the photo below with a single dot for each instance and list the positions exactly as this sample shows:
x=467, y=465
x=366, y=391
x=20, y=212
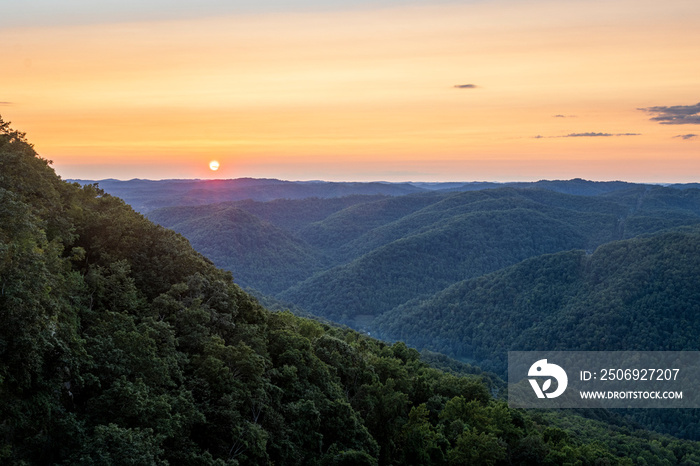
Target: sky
x=357, y=89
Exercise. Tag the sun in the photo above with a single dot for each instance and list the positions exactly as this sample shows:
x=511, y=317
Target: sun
x=214, y=165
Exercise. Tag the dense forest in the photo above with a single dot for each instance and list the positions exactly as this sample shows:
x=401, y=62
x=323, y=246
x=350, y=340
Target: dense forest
x=354, y=259
x=120, y=344
x=636, y=294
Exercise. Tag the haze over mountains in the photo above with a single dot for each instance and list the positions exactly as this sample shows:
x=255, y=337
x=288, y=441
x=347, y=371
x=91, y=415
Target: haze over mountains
x=146, y=195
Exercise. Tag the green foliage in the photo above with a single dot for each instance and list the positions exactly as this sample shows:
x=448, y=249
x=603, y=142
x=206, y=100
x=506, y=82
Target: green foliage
x=113, y=445
x=262, y=254
x=637, y=294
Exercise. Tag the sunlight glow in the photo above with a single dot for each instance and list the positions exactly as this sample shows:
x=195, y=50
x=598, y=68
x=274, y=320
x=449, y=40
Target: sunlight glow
x=445, y=92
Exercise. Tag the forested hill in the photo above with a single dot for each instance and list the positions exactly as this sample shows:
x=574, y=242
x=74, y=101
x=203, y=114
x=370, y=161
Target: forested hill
x=353, y=259
x=120, y=345
x=636, y=294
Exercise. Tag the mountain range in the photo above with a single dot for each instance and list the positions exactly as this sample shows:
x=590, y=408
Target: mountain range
x=147, y=195
x=122, y=345
x=475, y=274
x=369, y=255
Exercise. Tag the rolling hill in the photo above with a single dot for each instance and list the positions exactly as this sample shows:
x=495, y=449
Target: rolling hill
x=357, y=258
x=636, y=294
x=147, y=195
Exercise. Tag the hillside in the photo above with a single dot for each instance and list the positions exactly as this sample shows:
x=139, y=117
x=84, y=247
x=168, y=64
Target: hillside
x=636, y=294
x=264, y=254
x=259, y=240
x=454, y=237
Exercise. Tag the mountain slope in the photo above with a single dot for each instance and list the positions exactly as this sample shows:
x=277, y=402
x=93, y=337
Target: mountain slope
x=429, y=261
x=596, y=218
x=636, y=294
x=262, y=254
x=465, y=235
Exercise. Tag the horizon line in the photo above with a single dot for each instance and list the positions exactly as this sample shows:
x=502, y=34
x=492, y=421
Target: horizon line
x=79, y=180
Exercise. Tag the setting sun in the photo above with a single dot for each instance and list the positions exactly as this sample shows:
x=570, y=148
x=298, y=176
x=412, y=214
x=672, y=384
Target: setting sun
x=497, y=90
x=214, y=165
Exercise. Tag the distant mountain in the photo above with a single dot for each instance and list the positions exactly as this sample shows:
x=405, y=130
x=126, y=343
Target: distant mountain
x=465, y=235
x=146, y=195
x=262, y=254
x=576, y=186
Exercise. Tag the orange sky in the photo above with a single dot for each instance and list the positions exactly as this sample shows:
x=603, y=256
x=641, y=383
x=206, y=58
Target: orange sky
x=366, y=93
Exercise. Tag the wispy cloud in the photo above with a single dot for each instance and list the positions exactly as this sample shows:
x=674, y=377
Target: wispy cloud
x=564, y=116
x=596, y=135
x=465, y=86
x=5, y=103
x=587, y=135
x=676, y=114
x=686, y=136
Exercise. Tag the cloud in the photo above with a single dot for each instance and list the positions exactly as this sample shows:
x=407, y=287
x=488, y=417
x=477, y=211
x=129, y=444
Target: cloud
x=676, y=114
x=465, y=86
x=686, y=136
x=587, y=135
x=5, y=103
x=595, y=135
x=564, y=116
